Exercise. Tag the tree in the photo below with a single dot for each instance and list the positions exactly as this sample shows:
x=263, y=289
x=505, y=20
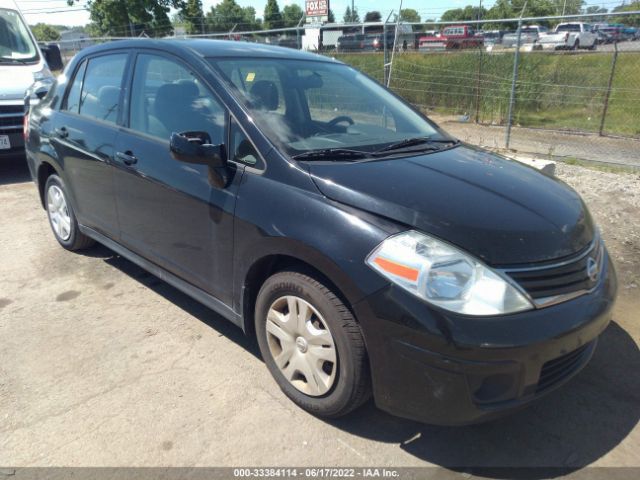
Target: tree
x=45, y=33
x=593, y=10
x=464, y=14
x=409, y=15
x=331, y=18
x=272, y=16
x=351, y=16
x=374, y=16
x=131, y=17
x=291, y=15
x=192, y=16
x=512, y=9
x=570, y=7
x=633, y=20
x=347, y=15
x=228, y=14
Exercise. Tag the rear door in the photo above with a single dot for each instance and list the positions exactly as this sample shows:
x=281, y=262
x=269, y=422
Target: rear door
x=169, y=212
x=84, y=137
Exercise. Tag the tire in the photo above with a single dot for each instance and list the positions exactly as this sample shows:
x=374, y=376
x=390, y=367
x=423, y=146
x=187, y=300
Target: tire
x=62, y=219
x=341, y=386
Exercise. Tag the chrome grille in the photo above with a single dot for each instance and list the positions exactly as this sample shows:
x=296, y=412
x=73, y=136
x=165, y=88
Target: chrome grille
x=549, y=284
x=11, y=118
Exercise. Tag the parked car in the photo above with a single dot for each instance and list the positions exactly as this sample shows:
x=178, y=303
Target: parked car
x=631, y=33
x=492, y=37
x=351, y=43
x=22, y=62
x=570, y=36
x=529, y=34
x=367, y=250
x=612, y=33
x=603, y=38
x=376, y=41
x=451, y=38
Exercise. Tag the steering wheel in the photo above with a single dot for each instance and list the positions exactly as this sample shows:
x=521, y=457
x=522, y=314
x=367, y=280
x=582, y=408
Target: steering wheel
x=340, y=119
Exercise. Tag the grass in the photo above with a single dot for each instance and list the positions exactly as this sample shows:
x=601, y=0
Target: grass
x=554, y=90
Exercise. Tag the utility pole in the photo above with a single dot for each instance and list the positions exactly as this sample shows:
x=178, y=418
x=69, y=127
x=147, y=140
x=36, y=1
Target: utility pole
x=514, y=80
x=386, y=49
x=395, y=41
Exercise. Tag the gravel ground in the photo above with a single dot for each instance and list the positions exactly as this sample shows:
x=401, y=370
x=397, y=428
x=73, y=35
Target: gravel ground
x=614, y=150
x=614, y=202
x=104, y=365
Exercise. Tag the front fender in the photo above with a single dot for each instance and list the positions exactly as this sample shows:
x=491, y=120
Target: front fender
x=277, y=219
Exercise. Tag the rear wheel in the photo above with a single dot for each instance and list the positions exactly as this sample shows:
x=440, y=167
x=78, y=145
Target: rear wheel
x=61, y=216
x=312, y=345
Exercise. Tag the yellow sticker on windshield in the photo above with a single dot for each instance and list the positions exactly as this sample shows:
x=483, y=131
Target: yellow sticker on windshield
x=251, y=77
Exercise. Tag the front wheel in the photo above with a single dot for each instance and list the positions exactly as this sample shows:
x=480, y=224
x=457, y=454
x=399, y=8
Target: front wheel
x=312, y=345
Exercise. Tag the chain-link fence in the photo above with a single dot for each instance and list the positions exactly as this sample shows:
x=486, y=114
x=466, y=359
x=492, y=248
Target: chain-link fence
x=556, y=86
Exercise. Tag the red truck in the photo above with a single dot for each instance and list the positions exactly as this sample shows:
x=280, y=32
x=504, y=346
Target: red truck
x=454, y=37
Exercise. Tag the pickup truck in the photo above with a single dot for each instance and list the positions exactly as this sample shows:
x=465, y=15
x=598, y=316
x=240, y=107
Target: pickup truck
x=451, y=38
x=570, y=36
x=530, y=34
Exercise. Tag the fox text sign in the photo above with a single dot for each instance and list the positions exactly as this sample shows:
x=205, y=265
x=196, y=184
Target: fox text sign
x=317, y=8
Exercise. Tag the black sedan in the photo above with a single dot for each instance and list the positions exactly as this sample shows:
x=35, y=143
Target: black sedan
x=367, y=250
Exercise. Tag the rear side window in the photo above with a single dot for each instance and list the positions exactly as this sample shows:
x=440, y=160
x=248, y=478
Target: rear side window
x=72, y=103
x=102, y=86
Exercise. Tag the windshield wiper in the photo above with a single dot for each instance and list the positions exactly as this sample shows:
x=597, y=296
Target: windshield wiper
x=331, y=153
x=410, y=142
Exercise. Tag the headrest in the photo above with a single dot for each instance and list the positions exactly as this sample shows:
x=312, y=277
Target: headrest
x=174, y=97
x=264, y=95
x=108, y=96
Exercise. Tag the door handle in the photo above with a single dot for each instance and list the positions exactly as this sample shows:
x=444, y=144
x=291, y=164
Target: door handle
x=127, y=157
x=62, y=132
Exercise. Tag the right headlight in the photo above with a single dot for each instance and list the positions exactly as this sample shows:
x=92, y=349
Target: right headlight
x=443, y=275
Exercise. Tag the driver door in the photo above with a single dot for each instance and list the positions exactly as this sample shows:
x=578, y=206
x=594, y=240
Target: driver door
x=169, y=211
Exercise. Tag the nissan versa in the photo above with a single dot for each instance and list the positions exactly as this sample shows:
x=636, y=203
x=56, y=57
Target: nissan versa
x=367, y=250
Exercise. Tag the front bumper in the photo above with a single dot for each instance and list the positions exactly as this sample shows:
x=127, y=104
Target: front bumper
x=17, y=144
x=446, y=369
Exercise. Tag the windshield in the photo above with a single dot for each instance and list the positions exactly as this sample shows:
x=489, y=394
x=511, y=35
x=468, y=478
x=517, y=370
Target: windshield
x=15, y=41
x=308, y=105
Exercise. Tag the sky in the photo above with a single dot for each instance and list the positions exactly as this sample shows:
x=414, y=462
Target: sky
x=57, y=12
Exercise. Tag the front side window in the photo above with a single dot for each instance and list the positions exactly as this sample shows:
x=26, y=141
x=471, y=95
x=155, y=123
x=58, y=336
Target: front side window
x=242, y=150
x=102, y=87
x=308, y=105
x=166, y=97
x=16, y=45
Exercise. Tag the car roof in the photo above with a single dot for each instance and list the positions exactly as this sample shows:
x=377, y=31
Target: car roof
x=208, y=48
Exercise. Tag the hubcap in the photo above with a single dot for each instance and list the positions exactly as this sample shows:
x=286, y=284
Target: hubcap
x=58, y=212
x=301, y=345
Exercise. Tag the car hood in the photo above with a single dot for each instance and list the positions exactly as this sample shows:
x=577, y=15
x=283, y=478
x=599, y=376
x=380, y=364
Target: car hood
x=499, y=210
x=15, y=80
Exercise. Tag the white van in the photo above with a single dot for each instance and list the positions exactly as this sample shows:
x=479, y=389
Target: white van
x=22, y=62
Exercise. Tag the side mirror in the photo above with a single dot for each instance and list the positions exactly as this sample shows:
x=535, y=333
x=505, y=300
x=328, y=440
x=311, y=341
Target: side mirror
x=52, y=55
x=35, y=93
x=195, y=147
x=41, y=90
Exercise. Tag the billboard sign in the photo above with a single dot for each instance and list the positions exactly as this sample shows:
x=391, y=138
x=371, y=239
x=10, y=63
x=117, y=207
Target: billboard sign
x=317, y=8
